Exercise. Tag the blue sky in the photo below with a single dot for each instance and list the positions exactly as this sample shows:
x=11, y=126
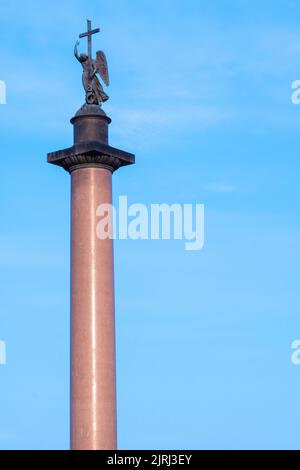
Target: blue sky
x=201, y=92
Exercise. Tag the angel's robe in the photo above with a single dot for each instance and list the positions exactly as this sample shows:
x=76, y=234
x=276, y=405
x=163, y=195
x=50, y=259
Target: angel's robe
x=92, y=85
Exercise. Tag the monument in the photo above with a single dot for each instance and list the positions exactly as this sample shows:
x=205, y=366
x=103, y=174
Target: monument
x=91, y=161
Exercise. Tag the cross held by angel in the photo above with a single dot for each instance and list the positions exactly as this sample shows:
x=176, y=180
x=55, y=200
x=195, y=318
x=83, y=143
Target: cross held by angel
x=94, y=92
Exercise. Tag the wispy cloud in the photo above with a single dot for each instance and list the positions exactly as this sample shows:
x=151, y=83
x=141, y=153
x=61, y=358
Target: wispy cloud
x=221, y=187
x=143, y=127
x=214, y=74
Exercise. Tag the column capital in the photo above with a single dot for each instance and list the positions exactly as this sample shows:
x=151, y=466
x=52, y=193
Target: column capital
x=91, y=148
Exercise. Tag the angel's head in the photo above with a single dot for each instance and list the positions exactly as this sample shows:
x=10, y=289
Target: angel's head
x=83, y=57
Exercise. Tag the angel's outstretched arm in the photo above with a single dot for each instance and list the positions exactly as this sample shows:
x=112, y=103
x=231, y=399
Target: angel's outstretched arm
x=76, y=51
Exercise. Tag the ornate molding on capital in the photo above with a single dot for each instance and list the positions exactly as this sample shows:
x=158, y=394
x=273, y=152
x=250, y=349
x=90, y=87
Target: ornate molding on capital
x=91, y=154
x=76, y=161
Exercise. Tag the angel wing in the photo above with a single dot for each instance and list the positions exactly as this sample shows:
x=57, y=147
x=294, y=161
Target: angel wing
x=102, y=67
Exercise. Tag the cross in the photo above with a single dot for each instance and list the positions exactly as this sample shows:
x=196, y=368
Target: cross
x=89, y=34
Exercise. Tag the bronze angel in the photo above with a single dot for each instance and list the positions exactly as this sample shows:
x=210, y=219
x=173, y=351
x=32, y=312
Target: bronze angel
x=91, y=83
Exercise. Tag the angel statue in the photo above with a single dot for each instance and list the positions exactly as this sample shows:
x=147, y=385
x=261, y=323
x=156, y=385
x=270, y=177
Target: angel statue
x=91, y=83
